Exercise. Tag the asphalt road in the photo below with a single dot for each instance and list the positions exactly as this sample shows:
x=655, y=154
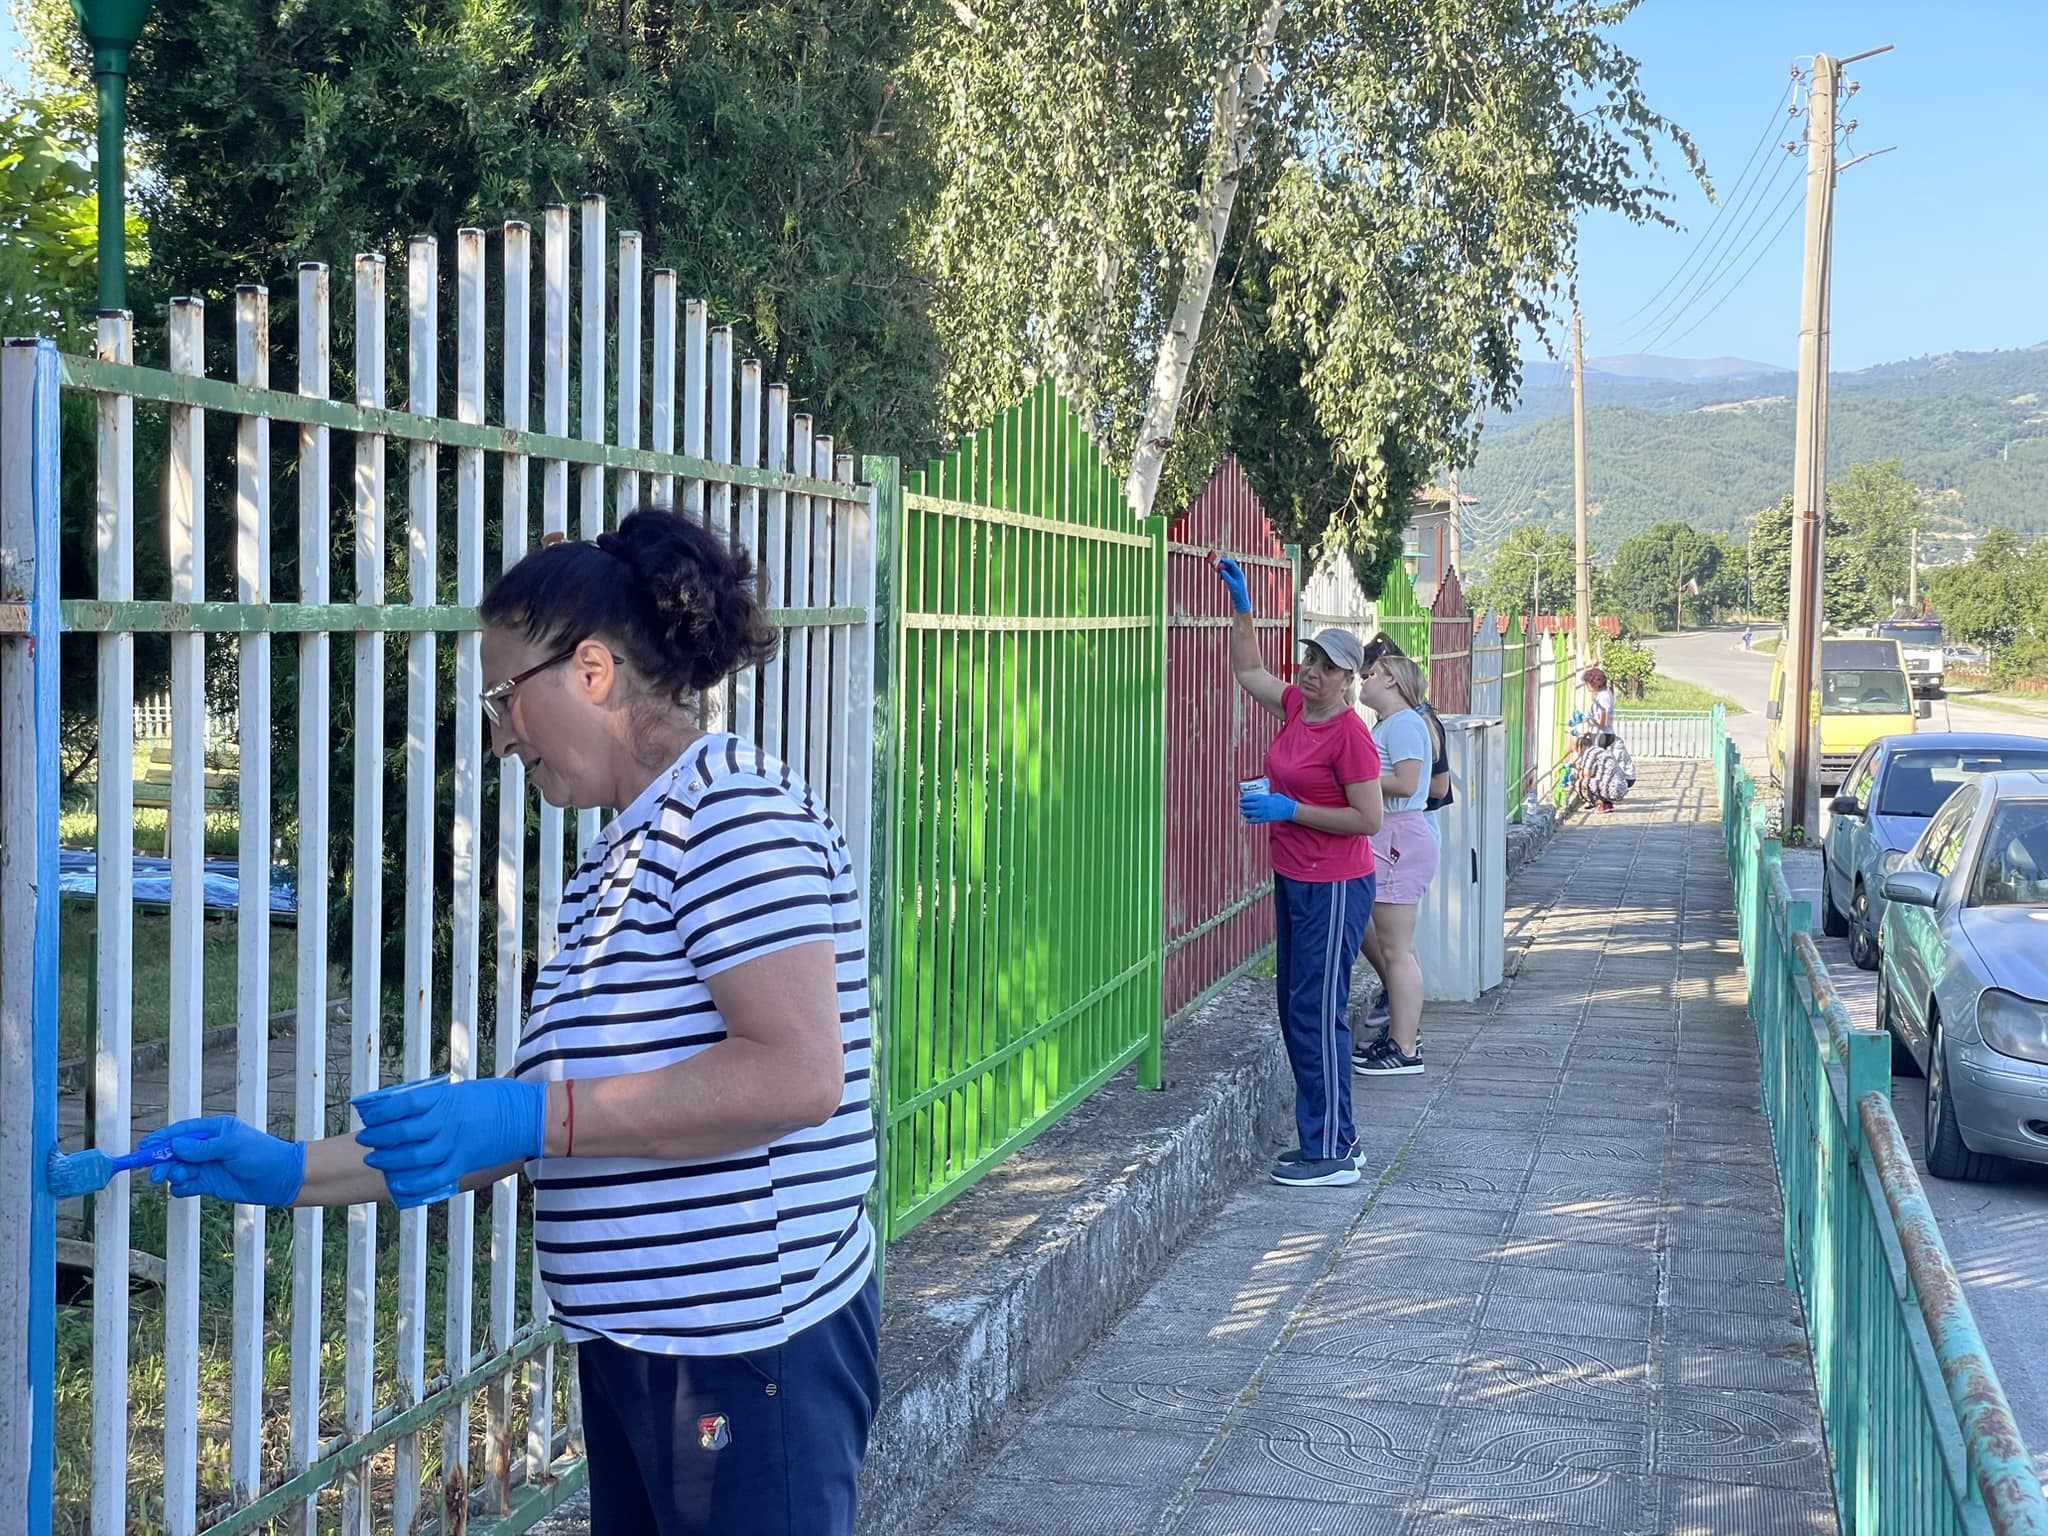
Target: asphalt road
x=1997, y=1233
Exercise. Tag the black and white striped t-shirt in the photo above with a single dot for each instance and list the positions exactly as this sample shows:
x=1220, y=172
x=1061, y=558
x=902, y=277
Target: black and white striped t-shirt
x=726, y=857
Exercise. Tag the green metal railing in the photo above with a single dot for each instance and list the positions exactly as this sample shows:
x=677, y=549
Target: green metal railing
x=1686, y=735
x=1919, y=1434
x=1025, y=958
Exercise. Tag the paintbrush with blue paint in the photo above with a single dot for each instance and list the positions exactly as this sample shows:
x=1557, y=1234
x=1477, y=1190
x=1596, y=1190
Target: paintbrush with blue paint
x=89, y=1172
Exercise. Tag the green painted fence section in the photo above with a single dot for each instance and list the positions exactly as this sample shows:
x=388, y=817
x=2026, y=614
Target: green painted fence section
x=1025, y=957
x=1404, y=618
x=1919, y=1434
x=1514, y=707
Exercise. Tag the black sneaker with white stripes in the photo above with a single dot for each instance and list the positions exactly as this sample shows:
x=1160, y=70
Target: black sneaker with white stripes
x=1388, y=1060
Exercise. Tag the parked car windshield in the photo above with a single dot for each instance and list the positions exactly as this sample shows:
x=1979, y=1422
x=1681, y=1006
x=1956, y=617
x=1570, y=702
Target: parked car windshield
x=2013, y=871
x=1916, y=783
x=1864, y=691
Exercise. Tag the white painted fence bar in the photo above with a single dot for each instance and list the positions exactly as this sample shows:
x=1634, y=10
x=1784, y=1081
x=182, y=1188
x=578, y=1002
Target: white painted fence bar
x=465, y=871
x=423, y=586
x=366, y=970
x=238, y=1458
x=747, y=534
x=187, y=529
x=252, y=886
x=316, y=719
x=663, y=418
x=591, y=343
x=115, y=877
x=696, y=323
x=794, y=560
x=627, y=434
x=507, y=1010
x=720, y=702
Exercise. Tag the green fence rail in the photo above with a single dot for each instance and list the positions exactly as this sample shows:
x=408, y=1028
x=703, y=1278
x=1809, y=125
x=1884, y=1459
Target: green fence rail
x=1919, y=1434
x=1029, y=758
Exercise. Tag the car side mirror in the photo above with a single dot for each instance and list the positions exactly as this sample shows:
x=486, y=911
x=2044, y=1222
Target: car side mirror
x=1771, y=709
x=1926, y=709
x=1913, y=887
x=1845, y=805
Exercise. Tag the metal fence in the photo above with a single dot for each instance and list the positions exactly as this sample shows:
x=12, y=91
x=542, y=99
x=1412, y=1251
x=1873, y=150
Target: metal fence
x=1025, y=867
x=1919, y=1434
x=225, y=1383
x=1685, y=735
x=1217, y=882
x=153, y=723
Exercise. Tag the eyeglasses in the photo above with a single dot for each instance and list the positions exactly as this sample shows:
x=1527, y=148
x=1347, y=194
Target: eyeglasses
x=499, y=693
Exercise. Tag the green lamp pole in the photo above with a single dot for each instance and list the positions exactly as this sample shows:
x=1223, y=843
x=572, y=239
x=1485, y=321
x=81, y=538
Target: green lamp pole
x=111, y=27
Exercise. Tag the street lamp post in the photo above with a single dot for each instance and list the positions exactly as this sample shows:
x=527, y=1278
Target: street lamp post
x=112, y=27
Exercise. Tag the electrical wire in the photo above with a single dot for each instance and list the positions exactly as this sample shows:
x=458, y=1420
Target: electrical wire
x=1741, y=239
x=1721, y=209
x=1734, y=287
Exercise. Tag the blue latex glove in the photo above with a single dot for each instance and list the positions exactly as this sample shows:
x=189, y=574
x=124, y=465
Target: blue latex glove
x=222, y=1157
x=1260, y=810
x=434, y=1137
x=1231, y=574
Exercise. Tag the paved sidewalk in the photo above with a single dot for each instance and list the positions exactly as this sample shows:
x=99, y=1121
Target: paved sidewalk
x=1555, y=1303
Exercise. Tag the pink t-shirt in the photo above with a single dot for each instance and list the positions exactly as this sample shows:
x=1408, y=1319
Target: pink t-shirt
x=1310, y=762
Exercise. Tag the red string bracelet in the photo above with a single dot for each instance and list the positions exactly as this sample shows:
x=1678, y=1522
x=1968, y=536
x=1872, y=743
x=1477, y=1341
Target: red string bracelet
x=569, y=1091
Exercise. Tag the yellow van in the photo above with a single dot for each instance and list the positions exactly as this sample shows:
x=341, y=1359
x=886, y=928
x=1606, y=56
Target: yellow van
x=1865, y=692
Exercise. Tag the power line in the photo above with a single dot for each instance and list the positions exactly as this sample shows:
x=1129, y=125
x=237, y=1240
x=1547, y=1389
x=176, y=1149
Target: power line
x=1721, y=209
x=1675, y=312
x=1734, y=287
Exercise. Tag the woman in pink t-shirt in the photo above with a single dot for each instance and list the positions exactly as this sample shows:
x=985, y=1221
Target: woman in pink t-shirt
x=1322, y=800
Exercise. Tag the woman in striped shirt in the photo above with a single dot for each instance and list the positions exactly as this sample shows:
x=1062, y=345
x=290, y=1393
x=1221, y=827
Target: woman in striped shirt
x=691, y=1091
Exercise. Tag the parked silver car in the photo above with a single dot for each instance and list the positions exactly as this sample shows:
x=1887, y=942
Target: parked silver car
x=1896, y=784
x=1963, y=983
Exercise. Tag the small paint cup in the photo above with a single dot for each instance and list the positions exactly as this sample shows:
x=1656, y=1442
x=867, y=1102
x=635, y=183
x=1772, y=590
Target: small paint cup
x=398, y=1090
x=1258, y=786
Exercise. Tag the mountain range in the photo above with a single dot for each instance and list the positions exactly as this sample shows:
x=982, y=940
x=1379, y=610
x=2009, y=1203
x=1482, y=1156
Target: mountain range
x=1708, y=442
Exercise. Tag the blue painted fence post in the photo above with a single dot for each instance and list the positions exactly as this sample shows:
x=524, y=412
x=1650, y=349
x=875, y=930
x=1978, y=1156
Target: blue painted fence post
x=28, y=877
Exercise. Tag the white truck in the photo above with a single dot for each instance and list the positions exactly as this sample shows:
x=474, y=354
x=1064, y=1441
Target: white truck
x=1921, y=641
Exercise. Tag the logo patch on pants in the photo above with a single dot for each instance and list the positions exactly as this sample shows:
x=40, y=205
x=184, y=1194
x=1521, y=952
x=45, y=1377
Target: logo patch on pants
x=713, y=1433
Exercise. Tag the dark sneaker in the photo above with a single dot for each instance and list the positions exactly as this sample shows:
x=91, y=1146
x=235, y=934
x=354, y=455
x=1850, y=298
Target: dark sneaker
x=1361, y=1054
x=1314, y=1172
x=1389, y=1061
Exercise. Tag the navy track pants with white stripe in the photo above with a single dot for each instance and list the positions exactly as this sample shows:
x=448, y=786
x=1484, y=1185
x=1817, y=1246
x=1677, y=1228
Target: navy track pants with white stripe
x=1318, y=928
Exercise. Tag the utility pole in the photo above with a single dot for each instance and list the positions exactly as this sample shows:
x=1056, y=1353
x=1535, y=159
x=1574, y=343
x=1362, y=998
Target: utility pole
x=1583, y=618
x=1803, y=618
x=1801, y=768
x=1457, y=532
x=1913, y=575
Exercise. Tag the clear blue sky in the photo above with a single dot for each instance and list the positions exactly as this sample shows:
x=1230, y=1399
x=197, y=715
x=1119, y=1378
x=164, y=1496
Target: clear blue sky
x=1939, y=246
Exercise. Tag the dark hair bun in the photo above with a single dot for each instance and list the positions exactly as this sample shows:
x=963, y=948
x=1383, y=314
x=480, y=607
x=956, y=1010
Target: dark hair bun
x=679, y=603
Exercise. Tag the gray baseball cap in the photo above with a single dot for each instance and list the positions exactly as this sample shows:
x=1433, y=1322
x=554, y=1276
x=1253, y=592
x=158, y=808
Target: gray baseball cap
x=1342, y=647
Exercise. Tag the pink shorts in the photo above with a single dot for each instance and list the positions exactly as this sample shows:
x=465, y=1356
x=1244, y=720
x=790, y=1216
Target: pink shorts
x=1405, y=855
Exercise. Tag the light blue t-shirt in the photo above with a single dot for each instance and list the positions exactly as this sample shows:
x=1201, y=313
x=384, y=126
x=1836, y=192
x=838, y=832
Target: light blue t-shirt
x=1401, y=738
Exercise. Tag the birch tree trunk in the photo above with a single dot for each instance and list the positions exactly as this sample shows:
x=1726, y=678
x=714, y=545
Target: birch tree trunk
x=1238, y=94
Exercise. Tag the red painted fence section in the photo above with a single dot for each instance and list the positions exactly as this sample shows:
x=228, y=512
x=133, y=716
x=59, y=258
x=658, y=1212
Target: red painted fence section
x=1218, y=913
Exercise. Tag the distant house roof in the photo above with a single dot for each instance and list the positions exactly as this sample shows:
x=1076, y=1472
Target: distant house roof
x=1437, y=499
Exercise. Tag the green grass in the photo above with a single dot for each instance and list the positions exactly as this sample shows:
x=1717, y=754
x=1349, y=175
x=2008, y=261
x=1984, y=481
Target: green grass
x=152, y=975
x=80, y=828
x=146, y=1354
x=1672, y=693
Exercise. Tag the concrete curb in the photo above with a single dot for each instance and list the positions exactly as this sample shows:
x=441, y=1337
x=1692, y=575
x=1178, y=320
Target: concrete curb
x=969, y=1335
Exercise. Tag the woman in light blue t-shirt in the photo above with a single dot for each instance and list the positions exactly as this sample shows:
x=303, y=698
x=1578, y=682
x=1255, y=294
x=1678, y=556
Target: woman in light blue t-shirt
x=1406, y=854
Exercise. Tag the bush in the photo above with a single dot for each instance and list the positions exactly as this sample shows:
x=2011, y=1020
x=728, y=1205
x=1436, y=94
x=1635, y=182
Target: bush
x=1629, y=667
x=2025, y=660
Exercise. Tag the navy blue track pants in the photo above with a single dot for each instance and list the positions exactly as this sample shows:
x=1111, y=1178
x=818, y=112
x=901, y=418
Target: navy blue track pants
x=1318, y=928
